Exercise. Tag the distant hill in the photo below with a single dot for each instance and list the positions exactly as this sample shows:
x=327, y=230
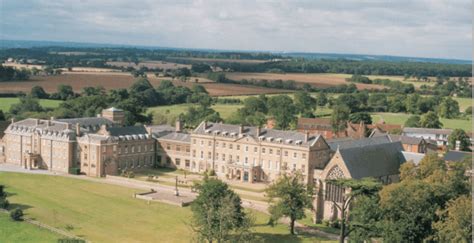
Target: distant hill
x=356, y=57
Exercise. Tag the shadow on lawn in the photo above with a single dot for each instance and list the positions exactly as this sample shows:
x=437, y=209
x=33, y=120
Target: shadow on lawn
x=23, y=207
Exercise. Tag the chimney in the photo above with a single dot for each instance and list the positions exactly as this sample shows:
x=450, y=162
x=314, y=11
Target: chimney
x=457, y=147
x=51, y=118
x=78, y=129
x=205, y=125
x=69, y=126
x=179, y=126
x=306, y=136
x=37, y=121
x=258, y=131
x=99, y=115
x=13, y=120
x=241, y=129
x=48, y=123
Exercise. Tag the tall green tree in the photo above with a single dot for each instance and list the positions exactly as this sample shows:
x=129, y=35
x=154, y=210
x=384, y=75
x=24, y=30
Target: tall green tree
x=283, y=110
x=456, y=221
x=461, y=136
x=339, y=117
x=289, y=197
x=354, y=189
x=430, y=120
x=360, y=117
x=218, y=214
x=38, y=92
x=413, y=121
x=449, y=108
x=305, y=104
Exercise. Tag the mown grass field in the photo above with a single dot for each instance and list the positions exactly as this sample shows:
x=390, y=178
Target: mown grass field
x=108, y=213
x=225, y=110
x=400, y=118
x=6, y=102
x=13, y=231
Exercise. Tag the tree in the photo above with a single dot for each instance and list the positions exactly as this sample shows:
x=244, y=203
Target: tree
x=4, y=204
x=293, y=197
x=2, y=116
x=305, y=104
x=17, y=214
x=90, y=91
x=38, y=92
x=339, y=118
x=430, y=120
x=461, y=136
x=413, y=121
x=455, y=224
x=378, y=102
x=283, y=110
x=27, y=104
x=218, y=214
x=360, y=117
x=64, y=92
x=411, y=103
x=449, y=108
x=468, y=110
x=321, y=99
x=200, y=68
x=353, y=190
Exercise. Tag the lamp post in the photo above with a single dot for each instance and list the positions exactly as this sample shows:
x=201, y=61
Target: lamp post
x=176, y=192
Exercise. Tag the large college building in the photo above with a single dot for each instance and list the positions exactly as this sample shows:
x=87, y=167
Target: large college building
x=101, y=146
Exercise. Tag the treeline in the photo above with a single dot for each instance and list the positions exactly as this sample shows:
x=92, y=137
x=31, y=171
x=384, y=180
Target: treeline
x=355, y=67
x=12, y=74
x=91, y=100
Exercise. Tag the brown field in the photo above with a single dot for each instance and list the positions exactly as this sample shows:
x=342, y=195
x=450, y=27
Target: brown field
x=322, y=80
x=125, y=80
x=214, y=60
x=150, y=64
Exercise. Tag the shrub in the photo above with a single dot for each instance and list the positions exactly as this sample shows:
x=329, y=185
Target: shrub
x=334, y=224
x=16, y=214
x=74, y=171
x=131, y=174
x=71, y=241
x=212, y=173
x=326, y=222
x=4, y=203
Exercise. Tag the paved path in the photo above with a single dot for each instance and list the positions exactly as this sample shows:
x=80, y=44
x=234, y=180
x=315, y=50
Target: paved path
x=147, y=186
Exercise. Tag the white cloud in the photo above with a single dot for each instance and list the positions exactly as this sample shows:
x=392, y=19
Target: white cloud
x=429, y=28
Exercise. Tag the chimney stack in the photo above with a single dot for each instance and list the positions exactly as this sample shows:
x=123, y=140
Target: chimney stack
x=241, y=129
x=37, y=121
x=69, y=126
x=78, y=130
x=51, y=118
x=306, y=136
x=99, y=115
x=13, y=120
x=205, y=125
x=259, y=131
x=179, y=126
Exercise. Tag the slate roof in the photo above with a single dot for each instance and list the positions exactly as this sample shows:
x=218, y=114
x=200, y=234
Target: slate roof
x=405, y=139
x=123, y=131
x=411, y=156
x=268, y=135
x=373, y=160
x=314, y=123
x=354, y=143
x=88, y=121
x=177, y=136
x=427, y=130
x=456, y=155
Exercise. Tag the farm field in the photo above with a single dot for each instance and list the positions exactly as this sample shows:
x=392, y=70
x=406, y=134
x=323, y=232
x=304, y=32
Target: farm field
x=6, y=102
x=108, y=213
x=113, y=80
x=320, y=80
x=215, y=60
x=12, y=231
x=225, y=110
x=150, y=64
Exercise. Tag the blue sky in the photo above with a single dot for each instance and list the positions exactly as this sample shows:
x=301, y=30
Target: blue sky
x=423, y=28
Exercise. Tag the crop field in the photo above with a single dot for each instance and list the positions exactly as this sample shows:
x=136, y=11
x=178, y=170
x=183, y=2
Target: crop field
x=111, y=80
x=108, y=213
x=225, y=110
x=323, y=80
x=216, y=60
x=150, y=64
x=6, y=102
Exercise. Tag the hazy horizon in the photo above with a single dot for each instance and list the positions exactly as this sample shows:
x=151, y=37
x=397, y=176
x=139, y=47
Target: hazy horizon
x=425, y=29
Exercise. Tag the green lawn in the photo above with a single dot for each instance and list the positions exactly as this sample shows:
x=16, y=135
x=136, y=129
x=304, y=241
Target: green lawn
x=400, y=118
x=107, y=213
x=13, y=231
x=5, y=103
x=464, y=103
x=225, y=110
